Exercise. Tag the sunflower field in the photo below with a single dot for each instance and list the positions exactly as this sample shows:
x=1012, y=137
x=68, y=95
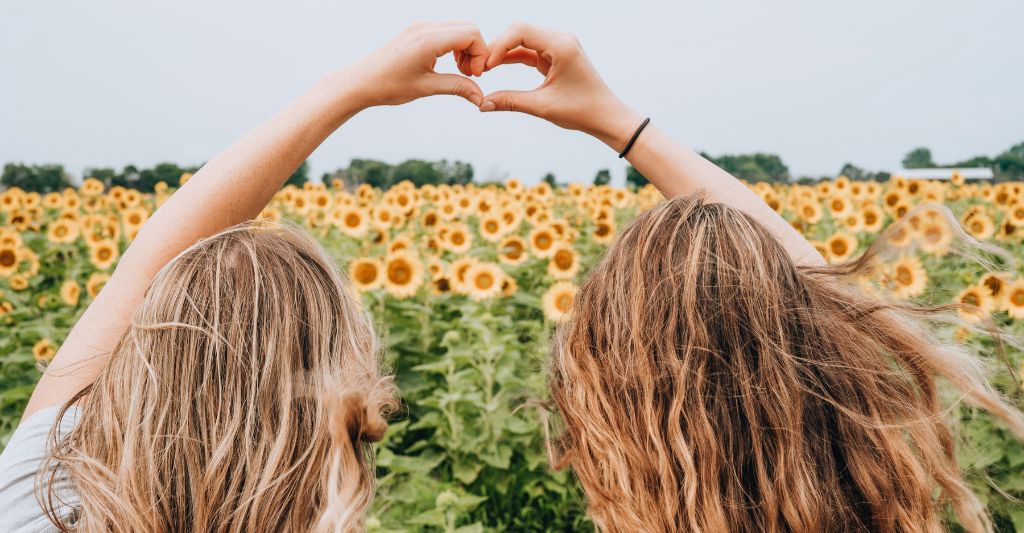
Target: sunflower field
x=466, y=284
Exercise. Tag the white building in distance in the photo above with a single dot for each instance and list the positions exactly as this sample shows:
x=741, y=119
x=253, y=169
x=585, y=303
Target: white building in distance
x=983, y=173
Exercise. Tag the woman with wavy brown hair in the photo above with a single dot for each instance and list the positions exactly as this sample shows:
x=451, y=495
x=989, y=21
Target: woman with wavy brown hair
x=716, y=376
x=225, y=378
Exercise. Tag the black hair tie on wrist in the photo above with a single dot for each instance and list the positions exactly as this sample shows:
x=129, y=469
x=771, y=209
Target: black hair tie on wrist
x=632, y=140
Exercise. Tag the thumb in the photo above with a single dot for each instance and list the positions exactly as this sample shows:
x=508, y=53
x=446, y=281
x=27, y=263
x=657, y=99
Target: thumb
x=521, y=101
x=455, y=85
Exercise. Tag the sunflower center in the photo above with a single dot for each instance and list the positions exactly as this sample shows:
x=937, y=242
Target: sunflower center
x=839, y=247
x=366, y=273
x=543, y=241
x=399, y=273
x=904, y=276
x=491, y=226
x=458, y=238
x=484, y=281
x=971, y=299
x=563, y=259
x=563, y=302
x=7, y=258
x=352, y=220
x=104, y=254
x=1017, y=298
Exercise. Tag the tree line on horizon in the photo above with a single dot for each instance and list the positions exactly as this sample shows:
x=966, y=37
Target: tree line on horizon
x=756, y=167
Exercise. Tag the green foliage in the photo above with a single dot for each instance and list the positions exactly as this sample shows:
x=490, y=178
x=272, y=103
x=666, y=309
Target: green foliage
x=300, y=176
x=420, y=172
x=918, y=158
x=145, y=179
x=603, y=177
x=38, y=178
x=754, y=167
x=634, y=178
x=550, y=179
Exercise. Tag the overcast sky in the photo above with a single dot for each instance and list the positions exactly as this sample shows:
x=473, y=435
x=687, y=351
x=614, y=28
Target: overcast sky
x=104, y=83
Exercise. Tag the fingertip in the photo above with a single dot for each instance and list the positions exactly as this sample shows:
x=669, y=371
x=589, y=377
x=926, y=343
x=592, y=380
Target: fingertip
x=487, y=106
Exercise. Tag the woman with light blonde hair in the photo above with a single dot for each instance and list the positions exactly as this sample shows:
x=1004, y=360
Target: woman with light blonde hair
x=225, y=378
x=715, y=375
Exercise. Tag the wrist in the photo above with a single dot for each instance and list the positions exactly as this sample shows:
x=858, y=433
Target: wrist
x=343, y=93
x=617, y=124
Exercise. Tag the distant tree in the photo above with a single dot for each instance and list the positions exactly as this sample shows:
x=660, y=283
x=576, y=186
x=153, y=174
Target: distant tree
x=300, y=176
x=168, y=173
x=635, y=178
x=853, y=172
x=369, y=171
x=38, y=178
x=549, y=178
x=418, y=171
x=455, y=173
x=603, y=177
x=1009, y=165
x=920, y=157
x=977, y=161
x=752, y=167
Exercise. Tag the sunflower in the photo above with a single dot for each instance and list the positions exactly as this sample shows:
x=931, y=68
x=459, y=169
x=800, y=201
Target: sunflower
x=430, y=218
x=839, y=206
x=366, y=273
x=70, y=292
x=509, y=286
x=557, y=300
x=935, y=236
x=512, y=250
x=483, y=280
x=91, y=187
x=564, y=262
x=872, y=218
x=403, y=274
x=907, y=277
x=978, y=301
x=351, y=220
x=604, y=231
x=841, y=247
x=981, y=226
x=44, y=350
x=95, y=283
x=18, y=282
x=542, y=241
x=853, y=221
x=399, y=243
x=1014, y=298
x=104, y=254
x=458, y=270
x=456, y=238
x=440, y=285
x=492, y=227
x=134, y=217
x=10, y=259
x=809, y=211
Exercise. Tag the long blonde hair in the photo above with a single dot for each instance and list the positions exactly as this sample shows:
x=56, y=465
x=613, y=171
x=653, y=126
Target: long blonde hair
x=241, y=398
x=706, y=383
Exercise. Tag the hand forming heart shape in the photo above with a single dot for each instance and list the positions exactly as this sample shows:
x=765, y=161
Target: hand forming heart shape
x=572, y=95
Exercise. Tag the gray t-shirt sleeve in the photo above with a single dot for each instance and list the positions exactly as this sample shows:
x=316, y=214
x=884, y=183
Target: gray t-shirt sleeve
x=19, y=463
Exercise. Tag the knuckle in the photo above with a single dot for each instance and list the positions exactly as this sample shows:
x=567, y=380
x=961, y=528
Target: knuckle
x=508, y=102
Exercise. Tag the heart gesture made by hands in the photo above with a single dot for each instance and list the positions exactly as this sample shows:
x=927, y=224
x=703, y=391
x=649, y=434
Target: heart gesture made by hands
x=572, y=94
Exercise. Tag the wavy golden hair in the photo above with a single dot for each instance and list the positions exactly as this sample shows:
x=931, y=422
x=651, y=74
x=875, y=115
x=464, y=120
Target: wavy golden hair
x=706, y=383
x=241, y=398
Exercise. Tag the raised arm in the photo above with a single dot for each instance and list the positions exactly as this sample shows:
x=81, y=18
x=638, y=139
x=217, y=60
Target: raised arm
x=235, y=185
x=574, y=96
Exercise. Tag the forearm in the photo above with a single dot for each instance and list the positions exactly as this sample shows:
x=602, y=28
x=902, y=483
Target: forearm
x=231, y=188
x=677, y=170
